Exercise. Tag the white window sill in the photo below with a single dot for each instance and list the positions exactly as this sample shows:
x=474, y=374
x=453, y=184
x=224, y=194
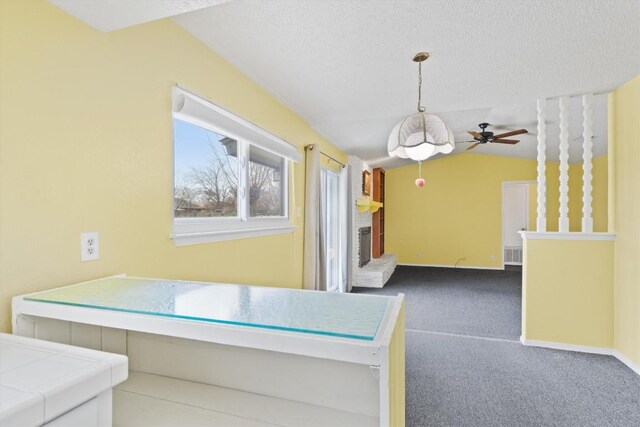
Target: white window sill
x=184, y=239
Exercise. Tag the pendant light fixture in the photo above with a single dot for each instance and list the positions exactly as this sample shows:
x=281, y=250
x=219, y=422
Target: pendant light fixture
x=422, y=134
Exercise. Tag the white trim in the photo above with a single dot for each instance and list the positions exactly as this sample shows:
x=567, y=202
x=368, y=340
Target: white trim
x=194, y=108
x=534, y=235
x=526, y=184
x=583, y=349
x=587, y=165
x=199, y=225
x=624, y=359
x=472, y=267
x=184, y=239
x=521, y=182
x=541, y=179
x=563, y=220
x=567, y=347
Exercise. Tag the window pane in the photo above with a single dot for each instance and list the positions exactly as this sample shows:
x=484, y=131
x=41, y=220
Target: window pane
x=265, y=183
x=206, y=172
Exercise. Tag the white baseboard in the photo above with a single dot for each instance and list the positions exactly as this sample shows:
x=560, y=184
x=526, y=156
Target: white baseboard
x=473, y=267
x=583, y=349
x=567, y=347
x=624, y=359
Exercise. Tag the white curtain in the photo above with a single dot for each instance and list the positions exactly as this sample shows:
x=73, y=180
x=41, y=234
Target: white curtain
x=314, y=274
x=344, y=285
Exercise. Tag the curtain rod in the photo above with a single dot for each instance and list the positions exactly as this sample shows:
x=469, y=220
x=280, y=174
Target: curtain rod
x=310, y=147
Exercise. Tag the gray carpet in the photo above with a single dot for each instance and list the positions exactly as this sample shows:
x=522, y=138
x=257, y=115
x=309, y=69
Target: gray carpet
x=461, y=301
x=454, y=381
x=491, y=379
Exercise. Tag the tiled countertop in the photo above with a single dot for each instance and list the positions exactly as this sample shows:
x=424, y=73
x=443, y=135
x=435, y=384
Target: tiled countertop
x=41, y=380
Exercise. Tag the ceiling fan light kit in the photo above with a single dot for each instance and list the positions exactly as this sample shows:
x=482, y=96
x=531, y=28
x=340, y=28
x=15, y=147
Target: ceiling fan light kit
x=421, y=135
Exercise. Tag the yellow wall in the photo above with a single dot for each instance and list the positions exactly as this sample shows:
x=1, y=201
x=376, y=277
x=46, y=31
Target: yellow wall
x=458, y=214
x=624, y=127
x=567, y=292
x=86, y=145
x=397, y=381
x=588, y=292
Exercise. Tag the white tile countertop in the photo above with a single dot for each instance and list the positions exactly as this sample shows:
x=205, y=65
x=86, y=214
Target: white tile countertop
x=41, y=380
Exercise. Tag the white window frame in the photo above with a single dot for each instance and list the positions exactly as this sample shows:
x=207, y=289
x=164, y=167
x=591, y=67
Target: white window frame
x=203, y=113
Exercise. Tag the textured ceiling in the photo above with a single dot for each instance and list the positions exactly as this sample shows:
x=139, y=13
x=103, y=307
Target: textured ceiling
x=519, y=116
x=110, y=15
x=346, y=67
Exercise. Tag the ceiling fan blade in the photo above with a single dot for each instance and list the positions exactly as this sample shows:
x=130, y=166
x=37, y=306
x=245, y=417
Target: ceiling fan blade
x=474, y=134
x=506, y=141
x=512, y=133
x=471, y=147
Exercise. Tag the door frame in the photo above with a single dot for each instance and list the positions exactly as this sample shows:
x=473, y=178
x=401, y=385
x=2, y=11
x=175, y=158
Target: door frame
x=506, y=184
x=329, y=171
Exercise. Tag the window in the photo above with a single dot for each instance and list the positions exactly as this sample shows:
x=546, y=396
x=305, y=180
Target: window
x=206, y=173
x=230, y=177
x=266, y=198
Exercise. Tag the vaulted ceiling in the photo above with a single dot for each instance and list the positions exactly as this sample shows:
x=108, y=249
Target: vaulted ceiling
x=345, y=66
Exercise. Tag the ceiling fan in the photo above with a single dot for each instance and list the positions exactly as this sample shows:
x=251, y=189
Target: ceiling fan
x=485, y=136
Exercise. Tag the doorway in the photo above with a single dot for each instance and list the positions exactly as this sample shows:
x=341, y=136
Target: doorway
x=515, y=218
x=330, y=191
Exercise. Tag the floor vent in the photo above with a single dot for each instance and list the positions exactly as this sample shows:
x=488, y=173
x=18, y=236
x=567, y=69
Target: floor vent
x=513, y=255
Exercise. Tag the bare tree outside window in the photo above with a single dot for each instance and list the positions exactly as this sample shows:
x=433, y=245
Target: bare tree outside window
x=206, y=175
x=266, y=187
x=207, y=172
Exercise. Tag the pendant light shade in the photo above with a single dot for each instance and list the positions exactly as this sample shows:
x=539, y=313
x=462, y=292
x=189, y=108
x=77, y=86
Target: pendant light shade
x=422, y=134
x=419, y=137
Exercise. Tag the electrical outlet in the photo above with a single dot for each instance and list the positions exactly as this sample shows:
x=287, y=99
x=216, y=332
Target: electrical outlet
x=418, y=254
x=492, y=257
x=89, y=246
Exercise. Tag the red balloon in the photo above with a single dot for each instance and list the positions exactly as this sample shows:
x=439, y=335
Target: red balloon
x=420, y=182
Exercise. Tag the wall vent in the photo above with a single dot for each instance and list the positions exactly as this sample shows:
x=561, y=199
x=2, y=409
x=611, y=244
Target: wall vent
x=513, y=255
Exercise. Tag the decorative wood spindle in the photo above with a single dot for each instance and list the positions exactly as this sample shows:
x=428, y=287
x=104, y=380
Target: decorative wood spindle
x=587, y=156
x=563, y=221
x=541, y=222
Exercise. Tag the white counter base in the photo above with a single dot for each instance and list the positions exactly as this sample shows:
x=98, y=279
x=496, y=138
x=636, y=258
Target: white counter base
x=277, y=375
x=147, y=399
